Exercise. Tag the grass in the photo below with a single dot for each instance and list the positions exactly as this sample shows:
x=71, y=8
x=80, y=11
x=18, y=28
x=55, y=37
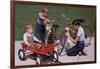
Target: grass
x=25, y=13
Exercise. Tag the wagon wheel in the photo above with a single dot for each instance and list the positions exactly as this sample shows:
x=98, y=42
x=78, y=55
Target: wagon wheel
x=55, y=56
x=21, y=54
x=38, y=60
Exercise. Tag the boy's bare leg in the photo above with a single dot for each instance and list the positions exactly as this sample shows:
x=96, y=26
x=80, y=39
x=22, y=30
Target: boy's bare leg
x=33, y=45
x=46, y=43
x=38, y=45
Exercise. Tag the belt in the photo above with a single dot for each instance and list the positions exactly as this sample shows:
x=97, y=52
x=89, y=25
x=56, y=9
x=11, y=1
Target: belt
x=81, y=41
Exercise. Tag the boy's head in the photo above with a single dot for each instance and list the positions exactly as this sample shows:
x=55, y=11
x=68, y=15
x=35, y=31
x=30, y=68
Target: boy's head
x=29, y=28
x=45, y=12
x=77, y=22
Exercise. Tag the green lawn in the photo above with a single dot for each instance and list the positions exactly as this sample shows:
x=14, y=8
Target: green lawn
x=27, y=14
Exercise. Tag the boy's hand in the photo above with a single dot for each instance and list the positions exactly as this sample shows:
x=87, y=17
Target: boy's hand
x=47, y=20
x=40, y=41
x=29, y=44
x=67, y=34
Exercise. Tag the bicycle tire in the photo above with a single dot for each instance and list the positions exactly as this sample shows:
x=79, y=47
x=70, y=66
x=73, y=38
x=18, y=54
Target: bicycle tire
x=88, y=35
x=62, y=44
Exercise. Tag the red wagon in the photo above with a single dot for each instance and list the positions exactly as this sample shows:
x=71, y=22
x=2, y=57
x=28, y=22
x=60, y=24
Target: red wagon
x=38, y=54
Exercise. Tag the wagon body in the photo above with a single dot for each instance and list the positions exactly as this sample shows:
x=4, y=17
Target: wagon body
x=48, y=49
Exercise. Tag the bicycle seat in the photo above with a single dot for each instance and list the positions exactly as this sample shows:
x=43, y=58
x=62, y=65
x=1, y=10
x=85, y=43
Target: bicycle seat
x=55, y=26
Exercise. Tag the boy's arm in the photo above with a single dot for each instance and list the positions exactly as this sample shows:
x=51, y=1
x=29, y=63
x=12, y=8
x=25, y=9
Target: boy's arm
x=36, y=39
x=25, y=39
x=44, y=18
x=73, y=40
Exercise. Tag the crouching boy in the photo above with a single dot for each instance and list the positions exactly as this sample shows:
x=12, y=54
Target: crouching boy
x=78, y=41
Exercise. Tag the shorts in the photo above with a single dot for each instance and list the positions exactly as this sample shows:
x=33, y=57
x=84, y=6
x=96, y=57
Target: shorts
x=40, y=32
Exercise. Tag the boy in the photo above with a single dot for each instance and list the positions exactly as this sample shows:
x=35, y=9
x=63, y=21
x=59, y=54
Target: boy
x=78, y=41
x=29, y=37
x=42, y=20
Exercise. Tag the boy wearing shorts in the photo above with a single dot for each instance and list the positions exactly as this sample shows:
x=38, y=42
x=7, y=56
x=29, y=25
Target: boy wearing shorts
x=29, y=37
x=42, y=20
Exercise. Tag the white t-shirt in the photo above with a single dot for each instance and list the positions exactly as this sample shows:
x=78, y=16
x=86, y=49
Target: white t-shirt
x=81, y=34
x=38, y=19
x=44, y=19
x=26, y=35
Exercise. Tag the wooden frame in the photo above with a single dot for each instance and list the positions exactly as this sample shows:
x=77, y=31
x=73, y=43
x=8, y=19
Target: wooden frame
x=12, y=29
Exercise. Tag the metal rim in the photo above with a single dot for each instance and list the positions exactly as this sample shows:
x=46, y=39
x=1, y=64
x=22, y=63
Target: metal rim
x=38, y=60
x=21, y=54
x=55, y=56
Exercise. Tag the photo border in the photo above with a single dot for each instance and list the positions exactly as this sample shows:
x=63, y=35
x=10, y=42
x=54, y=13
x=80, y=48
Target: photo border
x=12, y=34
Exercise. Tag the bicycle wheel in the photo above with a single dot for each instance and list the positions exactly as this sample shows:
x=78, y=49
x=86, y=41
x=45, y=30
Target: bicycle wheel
x=88, y=36
x=61, y=48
